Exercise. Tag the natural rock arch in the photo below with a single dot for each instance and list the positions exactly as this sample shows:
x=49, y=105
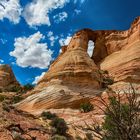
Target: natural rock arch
x=74, y=58
x=74, y=76
x=82, y=38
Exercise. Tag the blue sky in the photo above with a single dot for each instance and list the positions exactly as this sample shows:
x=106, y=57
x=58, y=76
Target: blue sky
x=32, y=31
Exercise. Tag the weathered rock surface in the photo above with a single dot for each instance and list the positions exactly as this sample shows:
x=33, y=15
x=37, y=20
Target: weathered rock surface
x=14, y=124
x=35, y=126
x=72, y=78
x=7, y=78
x=58, y=96
x=123, y=60
x=74, y=75
x=74, y=64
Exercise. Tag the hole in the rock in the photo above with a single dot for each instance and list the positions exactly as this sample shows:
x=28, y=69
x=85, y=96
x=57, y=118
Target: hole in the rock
x=90, y=48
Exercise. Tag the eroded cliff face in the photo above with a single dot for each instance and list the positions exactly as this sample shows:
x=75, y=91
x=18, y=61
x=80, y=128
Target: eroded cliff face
x=123, y=54
x=7, y=78
x=118, y=52
x=74, y=64
x=74, y=77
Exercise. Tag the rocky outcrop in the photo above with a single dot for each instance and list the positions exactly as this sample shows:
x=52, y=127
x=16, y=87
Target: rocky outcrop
x=74, y=64
x=74, y=76
x=19, y=125
x=58, y=96
x=7, y=78
x=72, y=79
x=123, y=58
x=118, y=52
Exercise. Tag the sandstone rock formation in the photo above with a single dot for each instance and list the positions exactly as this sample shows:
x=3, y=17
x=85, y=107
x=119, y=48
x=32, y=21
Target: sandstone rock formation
x=7, y=78
x=74, y=77
x=123, y=54
x=74, y=64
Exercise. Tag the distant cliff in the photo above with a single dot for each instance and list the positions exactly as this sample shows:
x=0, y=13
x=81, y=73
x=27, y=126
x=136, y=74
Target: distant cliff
x=7, y=79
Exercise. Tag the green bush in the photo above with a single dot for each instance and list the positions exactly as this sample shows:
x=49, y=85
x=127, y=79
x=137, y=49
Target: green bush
x=18, y=137
x=60, y=125
x=103, y=71
x=86, y=107
x=1, y=90
x=122, y=116
x=122, y=121
x=89, y=136
x=5, y=107
x=58, y=137
x=78, y=138
x=48, y=115
x=28, y=87
x=106, y=72
x=2, y=98
x=15, y=89
x=123, y=111
x=107, y=81
x=16, y=99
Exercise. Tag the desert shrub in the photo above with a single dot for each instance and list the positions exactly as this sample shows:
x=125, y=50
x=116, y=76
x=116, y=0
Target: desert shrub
x=60, y=125
x=2, y=98
x=103, y=72
x=122, y=121
x=5, y=107
x=28, y=87
x=58, y=137
x=15, y=89
x=16, y=99
x=18, y=137
x=1, y=90
x=78, y=138
x=89, y=136
x=48, y=115
x=108, y=81
x=122, y=117
x=105, y=79
x=86, y=107
x=106, y=72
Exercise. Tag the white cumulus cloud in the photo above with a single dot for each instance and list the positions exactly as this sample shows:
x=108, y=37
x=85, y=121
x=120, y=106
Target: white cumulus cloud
x=52, y=38
x=65, y=41
x=30, y=52
x=60, y=17
x=38, y=78
x=36, y=13
x=11, y=10
x=1, y=61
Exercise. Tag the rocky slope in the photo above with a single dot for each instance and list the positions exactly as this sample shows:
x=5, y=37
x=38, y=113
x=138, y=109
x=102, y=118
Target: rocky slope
x=7, y=78
x=16, y=124
x=75, y=77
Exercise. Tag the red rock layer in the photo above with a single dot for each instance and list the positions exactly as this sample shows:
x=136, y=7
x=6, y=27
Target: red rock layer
x=7, y=78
